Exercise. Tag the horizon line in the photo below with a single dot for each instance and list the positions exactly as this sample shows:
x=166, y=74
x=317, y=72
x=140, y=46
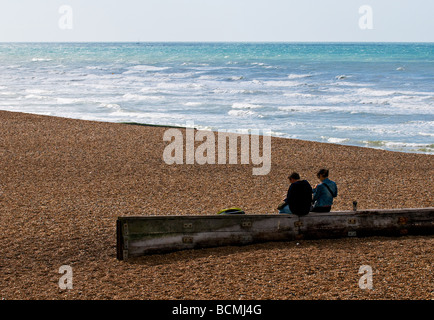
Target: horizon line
x=207, y=41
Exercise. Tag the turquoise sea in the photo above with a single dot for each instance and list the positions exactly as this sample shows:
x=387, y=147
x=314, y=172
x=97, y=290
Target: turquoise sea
x=378, y=95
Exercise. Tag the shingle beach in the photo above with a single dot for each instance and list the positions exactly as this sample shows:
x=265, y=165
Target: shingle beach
x=64, y=182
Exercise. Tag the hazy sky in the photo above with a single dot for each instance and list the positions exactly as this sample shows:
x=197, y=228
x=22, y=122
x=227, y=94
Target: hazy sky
x=216, y=20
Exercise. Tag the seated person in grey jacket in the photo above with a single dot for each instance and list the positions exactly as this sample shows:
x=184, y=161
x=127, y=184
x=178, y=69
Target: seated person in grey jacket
x=324, y=192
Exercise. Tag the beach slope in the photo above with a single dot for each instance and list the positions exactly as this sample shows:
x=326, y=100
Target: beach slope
x=64, y=182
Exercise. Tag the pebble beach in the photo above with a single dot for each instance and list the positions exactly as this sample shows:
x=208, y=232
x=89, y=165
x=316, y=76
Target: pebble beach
x=64, y=182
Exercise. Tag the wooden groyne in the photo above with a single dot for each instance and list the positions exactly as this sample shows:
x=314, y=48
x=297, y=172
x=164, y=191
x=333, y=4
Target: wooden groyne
x=141, y=235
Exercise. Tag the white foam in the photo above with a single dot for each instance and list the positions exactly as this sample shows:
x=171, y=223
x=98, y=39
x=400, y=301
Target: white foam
x=136, y=97
x=419, y=123
x=232, y=91
x=375, y=92
x=337, y=140
x=426, y=134
x=299, y=76
x=375, y=101
x=351, y=128
x=405, y=145
x=176, y=75
x=93, y=68
x=281, y=83
x=393, y=145
x=207, y=77
x=16, y=66
x=236, y=78
x=255, y=81
x=69, y=100
x=176, y=85
x=378, y=129
x=111, y=106
x=306, y=109
x=34, y=97
x=347, y=99
x=243, y=105
x=298, y=95
x=278, y=134
x=263, y=65
x=146, y=68
x=8, y=93
x=244, y=113
x=41, y=59
x=334, y=139
x=38, y=91
x=149, y=90
x=193, y=104
x=160, y=117
x=103, y=86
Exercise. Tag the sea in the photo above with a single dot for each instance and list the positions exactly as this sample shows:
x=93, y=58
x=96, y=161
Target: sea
x=376, y=95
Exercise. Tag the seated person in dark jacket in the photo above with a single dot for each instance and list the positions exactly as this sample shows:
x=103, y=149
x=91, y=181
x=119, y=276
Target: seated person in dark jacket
x=299, y=198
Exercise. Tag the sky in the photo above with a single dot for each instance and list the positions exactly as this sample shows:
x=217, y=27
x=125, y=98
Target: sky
x=217, y=20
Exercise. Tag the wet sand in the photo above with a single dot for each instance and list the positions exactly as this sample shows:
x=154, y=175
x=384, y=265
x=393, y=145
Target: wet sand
x=64, y=182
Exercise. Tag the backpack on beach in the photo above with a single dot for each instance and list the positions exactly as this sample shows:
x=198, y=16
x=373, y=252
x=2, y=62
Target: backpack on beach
x=231, y=211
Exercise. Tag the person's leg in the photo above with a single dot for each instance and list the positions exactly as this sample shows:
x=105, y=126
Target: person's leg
x=285, y=209
x=327, y=209
x=321, y=209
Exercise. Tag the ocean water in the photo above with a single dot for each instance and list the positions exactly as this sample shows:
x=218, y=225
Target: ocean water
x=363, y=94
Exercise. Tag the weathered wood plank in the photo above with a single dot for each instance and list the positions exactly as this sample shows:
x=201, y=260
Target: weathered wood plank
x=174, y=242
x=152, y=234
x=367, y=223
x=192, y=224
x=141, y=235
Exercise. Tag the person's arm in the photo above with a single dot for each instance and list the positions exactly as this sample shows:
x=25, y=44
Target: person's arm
x=288, y=195
x=316, y=192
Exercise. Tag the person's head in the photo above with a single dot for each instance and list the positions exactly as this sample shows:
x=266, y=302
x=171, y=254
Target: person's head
x=294, y=177
x=322, y=174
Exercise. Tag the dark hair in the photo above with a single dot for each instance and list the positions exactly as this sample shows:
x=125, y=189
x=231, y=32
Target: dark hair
x=323, y=172
x=294, y=176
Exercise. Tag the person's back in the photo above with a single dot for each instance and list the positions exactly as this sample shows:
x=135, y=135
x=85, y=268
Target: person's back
x=324, y=193
x=300, y=197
